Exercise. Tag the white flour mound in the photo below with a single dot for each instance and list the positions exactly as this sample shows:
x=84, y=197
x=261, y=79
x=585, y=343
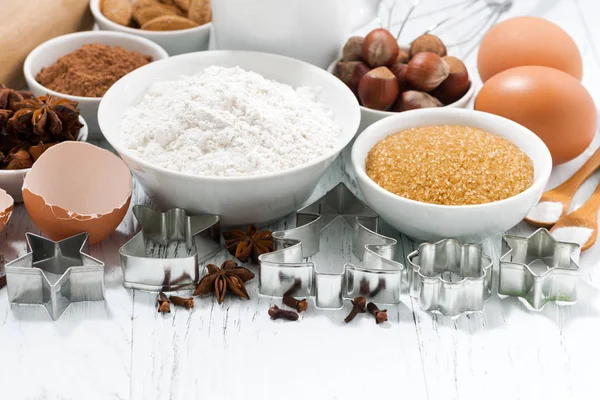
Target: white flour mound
x=229, y=122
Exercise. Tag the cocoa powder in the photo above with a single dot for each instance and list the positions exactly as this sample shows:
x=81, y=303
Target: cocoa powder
x=91, y=70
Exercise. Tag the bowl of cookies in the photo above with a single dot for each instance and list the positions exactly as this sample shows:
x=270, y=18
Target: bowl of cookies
x=179, y=26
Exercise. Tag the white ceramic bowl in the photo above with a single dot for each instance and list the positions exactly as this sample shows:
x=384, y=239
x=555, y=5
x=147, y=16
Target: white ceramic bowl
x=238, y=200
x=174, y=42
x=48, y=52
x=12, y=180
x=431, y=222
x=370, y=116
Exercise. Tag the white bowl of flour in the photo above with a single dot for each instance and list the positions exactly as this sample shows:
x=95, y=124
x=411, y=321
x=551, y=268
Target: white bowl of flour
x=243, y=135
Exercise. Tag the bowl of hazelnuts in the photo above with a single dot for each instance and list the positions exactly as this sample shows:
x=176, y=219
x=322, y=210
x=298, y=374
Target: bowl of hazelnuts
x=388, y=78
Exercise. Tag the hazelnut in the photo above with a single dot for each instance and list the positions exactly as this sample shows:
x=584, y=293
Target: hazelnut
x=428, y=42
x=351, y=72
x=399, y=71
x=426, y=71
x=353, y=49
x=378, y=89
x=413, y=100
x=403, y=57
x=457, y=83
x=380, y=48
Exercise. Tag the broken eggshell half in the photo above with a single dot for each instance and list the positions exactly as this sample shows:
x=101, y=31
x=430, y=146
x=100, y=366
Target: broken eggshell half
x=77, y=187
x=6, y=208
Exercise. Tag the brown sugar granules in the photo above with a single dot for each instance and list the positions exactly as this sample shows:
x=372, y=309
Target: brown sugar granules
x=91, y=70
x=449, y=165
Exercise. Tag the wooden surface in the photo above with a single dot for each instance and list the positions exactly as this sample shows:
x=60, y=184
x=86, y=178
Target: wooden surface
x=122, y=349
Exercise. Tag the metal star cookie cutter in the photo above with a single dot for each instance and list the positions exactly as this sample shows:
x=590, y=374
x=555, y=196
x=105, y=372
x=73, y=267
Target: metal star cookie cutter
x=378, y=277
x=200, y=234
x=539, y=269
x=450, y=277
x=55, y=274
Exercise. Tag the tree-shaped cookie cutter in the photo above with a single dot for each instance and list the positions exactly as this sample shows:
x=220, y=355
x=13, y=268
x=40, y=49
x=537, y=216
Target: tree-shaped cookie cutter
x=201, y=235
x=450, y=277
x=55, y=274
x=539, y=269
x=378, y=277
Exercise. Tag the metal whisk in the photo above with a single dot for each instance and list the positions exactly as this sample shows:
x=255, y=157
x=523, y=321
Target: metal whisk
x=472, y=17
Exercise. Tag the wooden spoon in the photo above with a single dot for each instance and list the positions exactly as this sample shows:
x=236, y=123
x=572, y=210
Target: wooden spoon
x=546, y=211
x=580, y=226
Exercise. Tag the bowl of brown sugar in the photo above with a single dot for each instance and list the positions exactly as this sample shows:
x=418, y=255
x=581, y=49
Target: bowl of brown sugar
x=450, y=173
x=82, y=66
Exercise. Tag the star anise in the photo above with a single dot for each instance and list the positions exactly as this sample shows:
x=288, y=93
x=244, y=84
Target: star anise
x=251, y=243
x=46, y=117
x=4, y=117
x=9, y=97
x=229, y=277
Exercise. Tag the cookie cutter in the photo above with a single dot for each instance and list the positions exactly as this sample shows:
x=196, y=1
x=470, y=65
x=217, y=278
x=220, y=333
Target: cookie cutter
x=450, y=277
x=539, y=269
x=378, y=277
x=200, y=234
x=55, y=274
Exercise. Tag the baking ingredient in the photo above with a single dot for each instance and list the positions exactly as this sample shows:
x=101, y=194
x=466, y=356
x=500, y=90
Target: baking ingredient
x=229, y=277
x=432, y=164
x=187, y=303
x=77, y=187
x=90, y=70
x=118, y=11
x=169, y=23
x=380, y=48
x=353, y=48
x=547, y=212
x=378, y=89
x=573, y=234
x=426, y=71
x=158, y=15
x=6, y=208
x=200, y=11
x=456, y=85
x=147, y=10
x=413, y=100
x=229, y=122
x=30, y=125
x=429, y=43
x=527, y=41
x=399, y=71
x=163, y=303
x=277, y=313
x=351, y=72
x=551, y=103
x=403, y=57
x=247, y=244
x=380, y=315
x=292, y=302
x=359, y=306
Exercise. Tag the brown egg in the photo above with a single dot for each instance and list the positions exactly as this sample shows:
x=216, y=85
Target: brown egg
x=77, y=187
x=527, y=41
x=551, y=103
x=6, y=208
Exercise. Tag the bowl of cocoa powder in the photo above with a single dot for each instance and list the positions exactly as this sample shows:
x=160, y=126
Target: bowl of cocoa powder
x=82, y=66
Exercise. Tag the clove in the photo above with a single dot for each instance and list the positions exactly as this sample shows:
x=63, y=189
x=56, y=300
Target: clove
x=292, y=302
x=358, y=306
x=277, y=313
x=182, y=301
x=380, y=315
x=164, y=305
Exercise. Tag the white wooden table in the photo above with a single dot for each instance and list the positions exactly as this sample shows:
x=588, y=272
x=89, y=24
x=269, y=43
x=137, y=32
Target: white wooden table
x=123, y=349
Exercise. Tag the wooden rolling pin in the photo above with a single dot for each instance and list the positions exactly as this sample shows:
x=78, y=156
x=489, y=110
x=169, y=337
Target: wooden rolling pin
x=28, y=23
